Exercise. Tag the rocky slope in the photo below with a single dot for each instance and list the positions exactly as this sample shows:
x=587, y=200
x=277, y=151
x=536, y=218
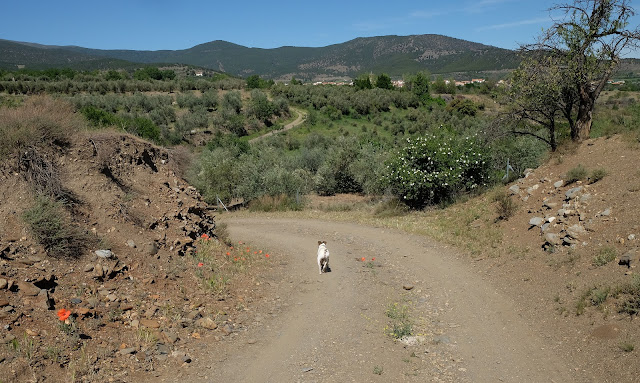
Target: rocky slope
x=136, y=294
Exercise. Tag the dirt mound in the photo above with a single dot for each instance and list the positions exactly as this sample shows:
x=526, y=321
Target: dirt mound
x=133, y=290
x=571, y=254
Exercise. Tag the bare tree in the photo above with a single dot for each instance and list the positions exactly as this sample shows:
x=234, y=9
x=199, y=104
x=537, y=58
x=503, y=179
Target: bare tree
x=586, y=44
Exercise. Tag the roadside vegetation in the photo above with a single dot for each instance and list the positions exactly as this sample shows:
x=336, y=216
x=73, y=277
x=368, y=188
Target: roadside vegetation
x=409, y=150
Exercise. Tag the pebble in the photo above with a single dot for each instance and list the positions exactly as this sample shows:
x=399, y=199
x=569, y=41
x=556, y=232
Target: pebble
x=227, y=329
x=150, y=323
x=28, y=289
x=536, y=221
x=573, y=192
x=170, y=336
x=128, y=351
x=104, y=253
x=207, y=323
x=31, y=332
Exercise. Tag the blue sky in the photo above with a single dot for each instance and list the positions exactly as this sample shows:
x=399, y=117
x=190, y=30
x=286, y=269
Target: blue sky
x=163, y=24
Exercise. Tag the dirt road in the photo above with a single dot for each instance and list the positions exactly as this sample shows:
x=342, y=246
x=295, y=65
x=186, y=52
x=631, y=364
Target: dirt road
x=334, y=327
x=302, y=116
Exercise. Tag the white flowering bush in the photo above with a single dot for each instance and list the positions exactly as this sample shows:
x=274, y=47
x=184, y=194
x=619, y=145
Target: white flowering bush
x=432, y=169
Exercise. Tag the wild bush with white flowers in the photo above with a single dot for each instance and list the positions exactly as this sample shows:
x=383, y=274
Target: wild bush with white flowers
x=433, y=169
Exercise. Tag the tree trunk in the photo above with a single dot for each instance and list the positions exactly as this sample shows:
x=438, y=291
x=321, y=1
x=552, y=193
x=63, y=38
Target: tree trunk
x=582, y=128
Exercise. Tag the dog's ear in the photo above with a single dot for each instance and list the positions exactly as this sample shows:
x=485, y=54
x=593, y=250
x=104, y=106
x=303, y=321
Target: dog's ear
x=319, y=243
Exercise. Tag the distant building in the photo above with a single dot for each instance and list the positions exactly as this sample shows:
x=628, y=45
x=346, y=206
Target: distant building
x=199, y=73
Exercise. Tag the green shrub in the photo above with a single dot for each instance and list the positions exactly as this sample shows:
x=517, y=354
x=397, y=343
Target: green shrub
x=597, y=175
x=98, y=117
x=604, y=256
x=433, y=169
x=629, y=303
x=47, y=222
x=216, y=174
x=599, y=296
x=463, y=106
x=335, y=175
x=144, y=128
x=400, y=325
x=578, y=173
x=505, y=206
x=626, y=346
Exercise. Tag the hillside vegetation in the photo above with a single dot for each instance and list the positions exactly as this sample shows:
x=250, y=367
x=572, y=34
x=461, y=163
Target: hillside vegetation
x=137, y=163
x=395, y=55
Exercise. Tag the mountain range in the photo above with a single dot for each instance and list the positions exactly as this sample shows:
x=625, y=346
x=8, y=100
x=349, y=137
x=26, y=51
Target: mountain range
x=393, y=55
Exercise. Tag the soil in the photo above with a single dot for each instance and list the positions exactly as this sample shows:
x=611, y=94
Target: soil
x=508, y=314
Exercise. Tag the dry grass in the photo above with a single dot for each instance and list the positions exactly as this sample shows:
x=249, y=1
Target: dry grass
x=41, y=120
x=52, y=228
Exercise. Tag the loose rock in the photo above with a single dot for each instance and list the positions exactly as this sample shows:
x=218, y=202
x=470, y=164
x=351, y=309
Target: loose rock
x=536, y=221
x=104, y=253
x=573, y=192
x=28, y=289
x=207, y=323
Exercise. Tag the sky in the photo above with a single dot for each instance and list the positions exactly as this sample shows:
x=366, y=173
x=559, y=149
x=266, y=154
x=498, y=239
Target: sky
x=182, y=24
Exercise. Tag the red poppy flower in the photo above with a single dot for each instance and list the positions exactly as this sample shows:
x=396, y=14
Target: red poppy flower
x=373, y=259
x=363, y=259
x=266, y=255
x=63, y=314
x=228, y=253
x=205, y=236
x=200, y=264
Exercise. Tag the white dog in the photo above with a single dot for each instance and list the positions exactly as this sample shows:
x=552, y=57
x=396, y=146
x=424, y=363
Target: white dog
x=323, y=257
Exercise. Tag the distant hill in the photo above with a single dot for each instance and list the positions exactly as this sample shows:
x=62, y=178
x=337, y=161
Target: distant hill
x=394, y=55
x=15, y=55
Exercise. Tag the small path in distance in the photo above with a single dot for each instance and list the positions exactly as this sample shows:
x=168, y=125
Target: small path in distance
x=302, y=116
